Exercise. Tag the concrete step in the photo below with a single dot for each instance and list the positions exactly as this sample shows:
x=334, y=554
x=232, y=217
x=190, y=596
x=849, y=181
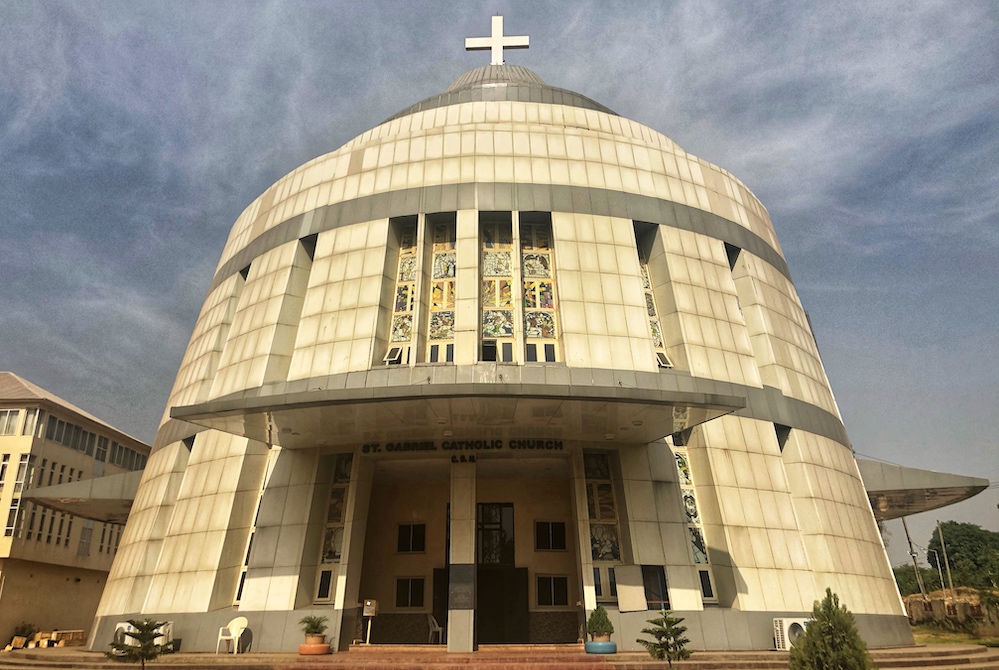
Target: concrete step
x=521, y=657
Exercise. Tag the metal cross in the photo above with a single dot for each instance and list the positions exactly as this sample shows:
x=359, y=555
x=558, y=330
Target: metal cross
x=497, y=42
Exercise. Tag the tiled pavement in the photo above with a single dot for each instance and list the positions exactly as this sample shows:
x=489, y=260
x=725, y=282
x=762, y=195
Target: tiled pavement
x=541, y=657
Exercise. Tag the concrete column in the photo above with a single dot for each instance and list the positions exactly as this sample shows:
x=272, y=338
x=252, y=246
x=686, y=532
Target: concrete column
x=461, y=569
x=348, y=579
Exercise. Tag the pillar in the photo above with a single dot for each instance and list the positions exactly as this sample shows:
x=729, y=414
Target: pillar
x=461, y=568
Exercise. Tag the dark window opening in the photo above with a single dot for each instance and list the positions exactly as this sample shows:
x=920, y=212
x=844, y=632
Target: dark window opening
x=549, y=535
x=532, y=353
x=507, y=352
x=325, y=582
x=598, y=589
x=706, y=590
x=654, y=580
x=409, y=592
x=488, y=350
x=553, y=591
x=412, y=537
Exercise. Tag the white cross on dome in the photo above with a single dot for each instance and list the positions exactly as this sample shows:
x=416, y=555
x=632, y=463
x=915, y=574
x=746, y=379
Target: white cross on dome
x=497, y=42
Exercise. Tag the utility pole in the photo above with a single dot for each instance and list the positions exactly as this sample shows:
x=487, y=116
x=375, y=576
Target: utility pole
x=915, y=563
x=950, y=581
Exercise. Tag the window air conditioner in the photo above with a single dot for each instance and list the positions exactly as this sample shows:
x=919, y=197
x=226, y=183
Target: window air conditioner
x=787, y=631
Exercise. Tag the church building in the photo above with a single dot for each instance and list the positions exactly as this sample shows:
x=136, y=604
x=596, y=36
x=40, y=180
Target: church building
x=502, y=358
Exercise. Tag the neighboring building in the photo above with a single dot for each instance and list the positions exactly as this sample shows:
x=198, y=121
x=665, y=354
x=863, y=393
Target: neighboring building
x=501, y=358
x=53, y=565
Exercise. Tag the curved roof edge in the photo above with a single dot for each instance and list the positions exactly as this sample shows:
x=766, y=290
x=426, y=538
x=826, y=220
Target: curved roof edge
x=502, y=83
x=897, y=491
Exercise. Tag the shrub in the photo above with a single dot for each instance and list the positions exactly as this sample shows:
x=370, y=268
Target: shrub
x=313, y=625
x=830, y=640
x=668, y=643
x=144, y=649
x=598, y=623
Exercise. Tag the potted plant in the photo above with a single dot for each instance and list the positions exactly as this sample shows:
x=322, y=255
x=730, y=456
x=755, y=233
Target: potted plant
x=600, y=628
x=314, y=628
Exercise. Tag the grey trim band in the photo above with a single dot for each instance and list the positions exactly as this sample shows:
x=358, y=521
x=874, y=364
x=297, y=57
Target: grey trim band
x=512, y=92
x=503, y=197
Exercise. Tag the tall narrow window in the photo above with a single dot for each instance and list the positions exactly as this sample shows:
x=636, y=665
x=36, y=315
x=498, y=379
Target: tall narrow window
x=601, y=504
x=336, y=512
x=655, y=325
x=4, y=462
x=538, y=263
x=443, y=268
x=401, y=336
x=497, y=286
x=695, y=524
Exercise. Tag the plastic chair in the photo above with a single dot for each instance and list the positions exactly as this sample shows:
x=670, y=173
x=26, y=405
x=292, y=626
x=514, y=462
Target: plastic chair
x=435, y=629
x=231, y=632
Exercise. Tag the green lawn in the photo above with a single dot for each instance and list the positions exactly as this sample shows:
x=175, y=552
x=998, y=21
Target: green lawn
x=932, y=635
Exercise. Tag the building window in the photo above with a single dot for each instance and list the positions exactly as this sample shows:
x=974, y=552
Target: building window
x=553, y=591
x=8, y=421
x=443, y=268
x=549, y=535
x=336, y=512
x=409, y=592
x=540, y=304
x=102, y=449
x=32, y=418
x=86, y=533
x=707, y=588
x=655, y=324
x=601, y=508
x=12, y=517
x=4, y=461
x=412, y=538
x=654, y=580
x=401, y=335
x=496, y=269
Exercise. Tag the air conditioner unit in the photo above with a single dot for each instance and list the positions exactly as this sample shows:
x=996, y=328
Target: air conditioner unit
x=165, y=634
x=120, y=629
x=787, y=631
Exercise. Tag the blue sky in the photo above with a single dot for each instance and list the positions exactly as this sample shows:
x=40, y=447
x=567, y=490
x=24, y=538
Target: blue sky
x=132, y=134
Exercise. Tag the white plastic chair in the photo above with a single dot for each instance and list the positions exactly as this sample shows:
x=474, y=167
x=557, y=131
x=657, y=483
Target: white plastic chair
x=231, y=633
x=435, y=629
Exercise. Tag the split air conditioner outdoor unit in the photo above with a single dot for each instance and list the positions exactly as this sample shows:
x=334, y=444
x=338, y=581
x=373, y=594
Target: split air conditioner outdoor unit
x=786, y=631
x=165, y=634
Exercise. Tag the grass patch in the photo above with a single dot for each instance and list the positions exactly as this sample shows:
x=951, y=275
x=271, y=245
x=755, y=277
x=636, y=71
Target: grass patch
x=924, y=634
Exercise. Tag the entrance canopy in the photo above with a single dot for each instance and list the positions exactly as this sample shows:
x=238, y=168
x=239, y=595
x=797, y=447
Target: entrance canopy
x=496, y=402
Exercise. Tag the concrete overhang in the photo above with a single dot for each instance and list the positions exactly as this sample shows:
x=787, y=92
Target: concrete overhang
x=108, y=499
x=896, y=491
x=495, y=402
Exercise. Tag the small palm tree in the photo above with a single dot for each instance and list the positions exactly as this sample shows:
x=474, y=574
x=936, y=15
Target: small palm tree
x=143, y=648
x=668, y=642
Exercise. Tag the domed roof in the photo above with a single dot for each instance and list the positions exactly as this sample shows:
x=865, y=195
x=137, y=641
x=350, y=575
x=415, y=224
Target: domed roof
x=502, y=82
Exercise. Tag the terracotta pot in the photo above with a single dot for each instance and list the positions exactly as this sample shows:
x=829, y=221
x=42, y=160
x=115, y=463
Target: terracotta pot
x=313, y=649
x=602, y=638
x=314, y=639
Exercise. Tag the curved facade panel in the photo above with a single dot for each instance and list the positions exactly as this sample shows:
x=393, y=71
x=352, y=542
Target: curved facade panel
x=499, y=361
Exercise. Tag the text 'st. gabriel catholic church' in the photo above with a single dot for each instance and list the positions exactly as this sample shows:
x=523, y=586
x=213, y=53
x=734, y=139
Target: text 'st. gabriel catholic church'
x=500, y=359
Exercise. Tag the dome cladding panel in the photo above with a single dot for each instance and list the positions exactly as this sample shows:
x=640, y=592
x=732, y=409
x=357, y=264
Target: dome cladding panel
x=505, y=142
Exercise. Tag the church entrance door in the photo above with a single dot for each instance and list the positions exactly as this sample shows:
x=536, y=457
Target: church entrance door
x=501, y=588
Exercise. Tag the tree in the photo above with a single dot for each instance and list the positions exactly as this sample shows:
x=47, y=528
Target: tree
x=905, y=577
x=830, y=640
x=973, y=553
x=143, y=648
x=668, y=643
